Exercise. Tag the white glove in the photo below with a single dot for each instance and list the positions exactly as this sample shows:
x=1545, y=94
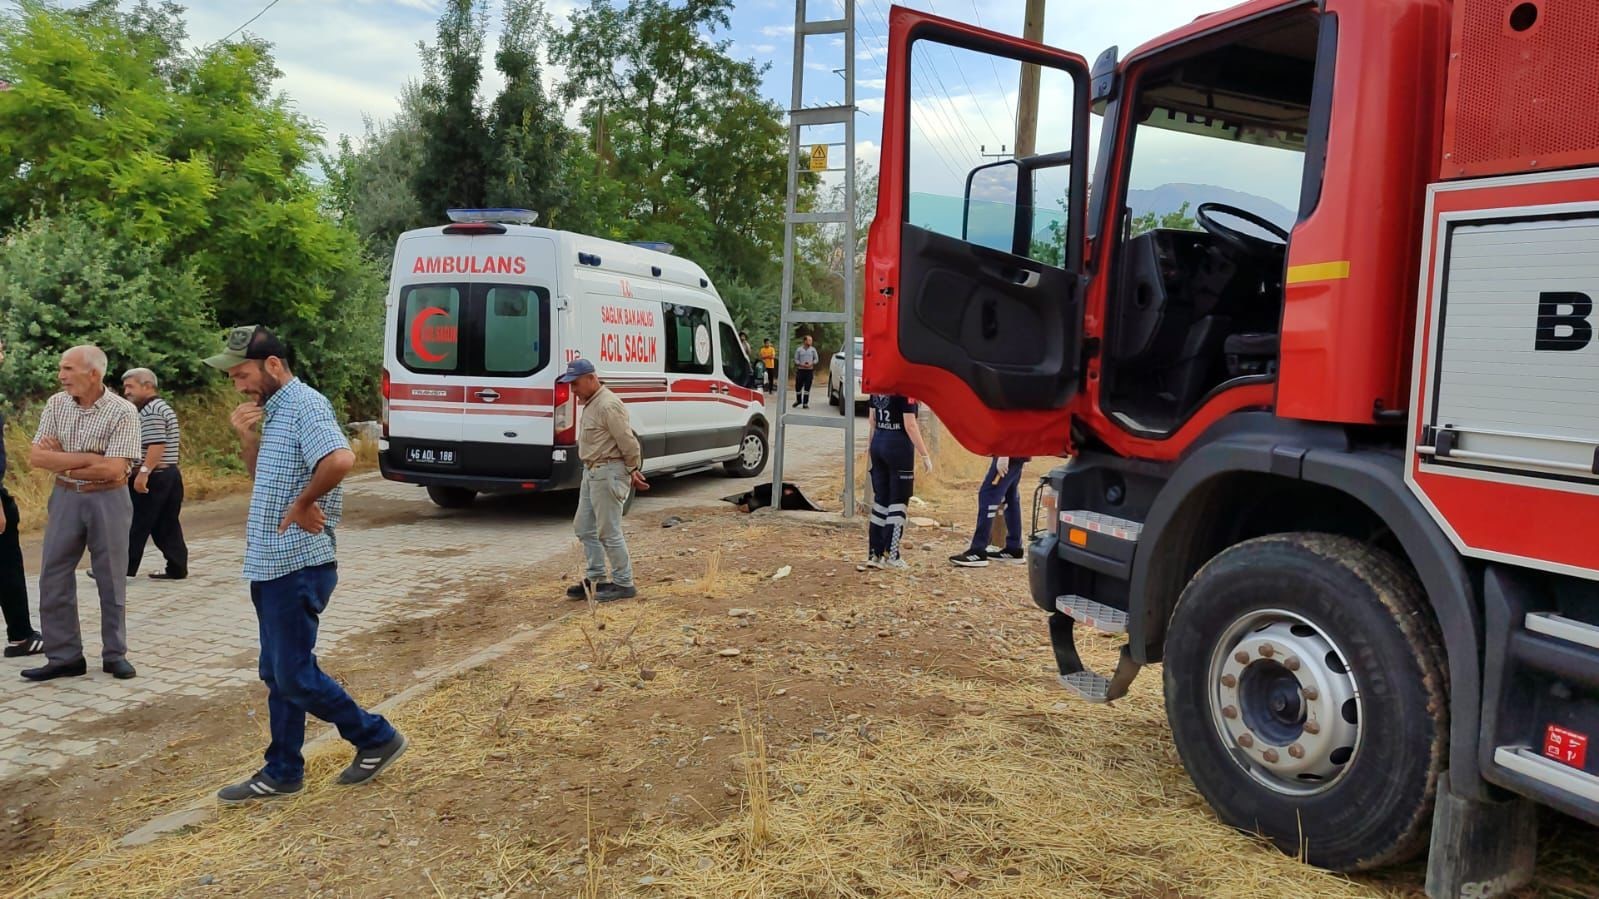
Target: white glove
x=927, y=463
x=1002, y=465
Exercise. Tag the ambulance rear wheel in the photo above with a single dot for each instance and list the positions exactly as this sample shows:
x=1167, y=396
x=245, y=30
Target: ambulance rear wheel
x=1308, y=699
x=751, y=458
x=451, y=497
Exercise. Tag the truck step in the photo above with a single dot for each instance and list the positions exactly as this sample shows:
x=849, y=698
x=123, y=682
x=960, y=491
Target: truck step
x=1076, y=677
x=1560, y=627
x=1101, y=523
x=1564, y=778
x=1087, y=686
x=1096, y=615
x=696, y=469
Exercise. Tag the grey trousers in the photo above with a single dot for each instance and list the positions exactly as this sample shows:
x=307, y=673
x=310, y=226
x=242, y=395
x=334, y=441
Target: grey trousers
x=98, y=522
x=599, y=522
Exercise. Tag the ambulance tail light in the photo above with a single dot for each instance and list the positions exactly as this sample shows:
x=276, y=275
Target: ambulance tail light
x=565, y=415
x=387, y=389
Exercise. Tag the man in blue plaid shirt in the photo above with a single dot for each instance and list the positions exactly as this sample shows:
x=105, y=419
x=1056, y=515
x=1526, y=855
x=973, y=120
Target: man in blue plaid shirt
x=298, y=459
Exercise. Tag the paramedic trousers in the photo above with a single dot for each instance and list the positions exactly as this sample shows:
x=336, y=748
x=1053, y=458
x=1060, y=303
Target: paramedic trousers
x=997, y=490
x=599, y=522
x=288, y=609
x=155, y=514
x=771, y=378
x=803, y=378
x=893, y=480
x=13, y=582
x=98, y=522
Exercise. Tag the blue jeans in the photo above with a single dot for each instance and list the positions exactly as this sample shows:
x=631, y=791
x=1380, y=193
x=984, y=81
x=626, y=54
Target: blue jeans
x=288, y=609
x=997, y=490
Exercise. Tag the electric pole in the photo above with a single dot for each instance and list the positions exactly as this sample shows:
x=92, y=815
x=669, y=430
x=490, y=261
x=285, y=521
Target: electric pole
x=1027, y=99
x=1002, y=154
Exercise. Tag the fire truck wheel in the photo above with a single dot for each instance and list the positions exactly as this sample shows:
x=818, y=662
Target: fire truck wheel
x=1307, y=696
x=451, y=497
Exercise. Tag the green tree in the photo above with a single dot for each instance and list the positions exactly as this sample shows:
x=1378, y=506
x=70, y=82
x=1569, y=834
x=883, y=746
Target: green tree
x=455, y=137
x=681, y=127
x=528, y=138
x=1178, y=219
x=370, y=186
x=191, y=155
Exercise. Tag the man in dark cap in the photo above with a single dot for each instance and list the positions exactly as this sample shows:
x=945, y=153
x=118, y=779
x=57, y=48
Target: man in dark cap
x=612, y=461
x=297, y=453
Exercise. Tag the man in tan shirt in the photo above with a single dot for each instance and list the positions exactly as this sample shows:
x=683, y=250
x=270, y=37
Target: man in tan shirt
x=89, y=438
x=612, y=461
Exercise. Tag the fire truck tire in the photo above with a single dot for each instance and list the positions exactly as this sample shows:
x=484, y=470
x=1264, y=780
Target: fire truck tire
x=1307, y=694
x=451, y=497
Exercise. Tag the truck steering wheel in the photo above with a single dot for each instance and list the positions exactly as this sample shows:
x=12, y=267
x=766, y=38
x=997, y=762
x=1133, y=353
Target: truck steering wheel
x=1247, y=244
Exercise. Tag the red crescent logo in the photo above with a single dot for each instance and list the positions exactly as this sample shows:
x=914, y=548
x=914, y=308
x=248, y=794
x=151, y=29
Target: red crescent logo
x=417, y=346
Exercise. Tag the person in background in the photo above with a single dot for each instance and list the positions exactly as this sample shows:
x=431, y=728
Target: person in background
x=612, y=461
x=1000, y=487
x=805, y=359
x=158, y=487
x=298, y=456
x=895, y=445
x=769, y=361
x=21, y=638
x=89, y=437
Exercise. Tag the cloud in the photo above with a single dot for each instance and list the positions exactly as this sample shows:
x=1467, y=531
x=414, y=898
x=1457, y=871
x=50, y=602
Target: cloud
x=777, y=30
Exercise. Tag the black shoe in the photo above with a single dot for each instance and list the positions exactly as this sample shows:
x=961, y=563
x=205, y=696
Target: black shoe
x=581, y=590
x=970, y=559
x=257, y=788
x=369, y=763
x=796, y=404
x=121, y=669
x=31, y=646
x=54, y=670
x=614, y=592
x=1008, y=555
x=167, y=576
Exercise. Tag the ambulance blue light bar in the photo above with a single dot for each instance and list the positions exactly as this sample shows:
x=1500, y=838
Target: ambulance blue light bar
x=512, y=216
x=659, y=246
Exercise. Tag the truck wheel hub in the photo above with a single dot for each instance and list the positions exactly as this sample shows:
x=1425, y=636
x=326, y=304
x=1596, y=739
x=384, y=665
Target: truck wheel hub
x=1285, y=702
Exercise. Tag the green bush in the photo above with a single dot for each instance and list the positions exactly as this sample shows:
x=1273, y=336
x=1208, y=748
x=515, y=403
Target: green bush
x=65, y=282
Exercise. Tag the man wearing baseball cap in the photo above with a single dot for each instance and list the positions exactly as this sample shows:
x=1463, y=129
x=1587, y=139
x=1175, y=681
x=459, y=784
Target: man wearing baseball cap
x=612, y=460
x=297, y=453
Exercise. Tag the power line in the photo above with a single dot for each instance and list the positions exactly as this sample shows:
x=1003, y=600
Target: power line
x=948, y=119
x=1000, y=81
x=943, y=156
x=246, y=24
x=971, y=91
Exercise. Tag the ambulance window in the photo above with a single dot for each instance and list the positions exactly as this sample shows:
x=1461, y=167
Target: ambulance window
x=430, y=327
x=514, y=321
x=688, y=340
x=734, y=363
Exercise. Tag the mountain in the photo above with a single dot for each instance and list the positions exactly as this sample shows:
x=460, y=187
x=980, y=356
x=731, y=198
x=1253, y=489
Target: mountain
x=1170, y=197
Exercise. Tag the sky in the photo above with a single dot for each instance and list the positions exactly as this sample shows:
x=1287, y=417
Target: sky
x=345, y=60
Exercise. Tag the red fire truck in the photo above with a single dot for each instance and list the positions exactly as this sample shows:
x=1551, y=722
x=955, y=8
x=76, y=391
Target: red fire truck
x=1338, y=475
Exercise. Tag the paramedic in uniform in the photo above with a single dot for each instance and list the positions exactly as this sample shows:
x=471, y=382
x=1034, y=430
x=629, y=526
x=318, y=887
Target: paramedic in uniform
x=612, y=460
x=896, y=443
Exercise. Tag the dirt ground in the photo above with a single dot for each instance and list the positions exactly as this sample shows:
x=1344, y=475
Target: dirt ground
x=827, y=733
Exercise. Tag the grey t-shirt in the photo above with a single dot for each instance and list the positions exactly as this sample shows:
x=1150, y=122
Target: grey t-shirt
x=806, y=355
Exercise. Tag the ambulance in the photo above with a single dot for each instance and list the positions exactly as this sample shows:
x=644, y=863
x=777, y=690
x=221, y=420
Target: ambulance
x=484, y=313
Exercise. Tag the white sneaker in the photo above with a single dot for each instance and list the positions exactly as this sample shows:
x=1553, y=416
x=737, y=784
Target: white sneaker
x=894, y=562
x=870, y=563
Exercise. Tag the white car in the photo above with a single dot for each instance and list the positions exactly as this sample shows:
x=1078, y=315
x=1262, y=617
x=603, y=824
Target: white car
x=835, y=379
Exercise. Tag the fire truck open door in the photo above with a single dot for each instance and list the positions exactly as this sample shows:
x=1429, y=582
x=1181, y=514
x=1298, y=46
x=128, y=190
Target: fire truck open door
x=965, y=313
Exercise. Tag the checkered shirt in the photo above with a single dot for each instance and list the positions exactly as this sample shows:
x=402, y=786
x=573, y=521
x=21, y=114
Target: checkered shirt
x=107, y=427
x=160, y=425
x=299, y=431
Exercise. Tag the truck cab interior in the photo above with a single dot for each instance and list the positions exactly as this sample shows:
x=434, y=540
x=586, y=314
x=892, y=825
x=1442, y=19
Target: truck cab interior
x=1196, y=296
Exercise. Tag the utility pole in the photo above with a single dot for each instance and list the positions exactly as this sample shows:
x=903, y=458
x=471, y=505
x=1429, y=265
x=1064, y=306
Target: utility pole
x=1027, y=99
x=1002, y=154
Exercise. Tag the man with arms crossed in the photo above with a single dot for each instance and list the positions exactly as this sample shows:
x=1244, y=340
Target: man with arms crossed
x=298, y=456
x=89, y=437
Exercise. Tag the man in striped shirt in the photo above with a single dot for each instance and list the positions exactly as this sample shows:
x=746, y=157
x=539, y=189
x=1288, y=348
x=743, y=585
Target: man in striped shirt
x=157, y=488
